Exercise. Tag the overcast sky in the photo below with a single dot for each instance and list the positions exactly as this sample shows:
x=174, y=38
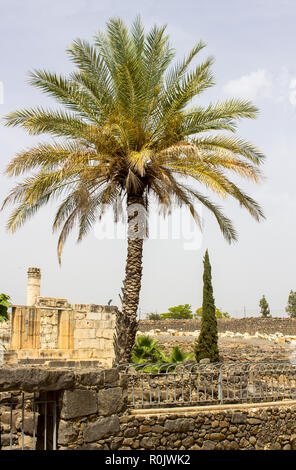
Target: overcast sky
x=254, y=46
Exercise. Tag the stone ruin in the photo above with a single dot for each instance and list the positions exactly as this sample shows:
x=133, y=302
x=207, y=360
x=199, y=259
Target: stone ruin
x=51, y=331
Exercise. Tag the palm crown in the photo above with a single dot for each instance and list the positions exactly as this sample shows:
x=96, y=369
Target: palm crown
x=125, y=131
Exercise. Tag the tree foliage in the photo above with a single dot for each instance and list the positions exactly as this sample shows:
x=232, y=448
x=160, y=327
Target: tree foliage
x=125, y=127
x=180, y=312
x=146, y=350
x=154, y=316
x=178, y=355
x=4, y=305
x=218, y=313
x=291, y=306
x=264, y=307
x=206, y=345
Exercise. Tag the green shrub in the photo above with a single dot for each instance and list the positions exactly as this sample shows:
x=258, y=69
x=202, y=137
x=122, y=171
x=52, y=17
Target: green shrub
x=4, y=305
x=178, y=356
x=218, y=313
x=154, y=316
x=146, y=350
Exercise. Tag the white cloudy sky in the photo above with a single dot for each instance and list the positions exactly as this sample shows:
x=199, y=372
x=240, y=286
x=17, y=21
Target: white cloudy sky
x=253, y=43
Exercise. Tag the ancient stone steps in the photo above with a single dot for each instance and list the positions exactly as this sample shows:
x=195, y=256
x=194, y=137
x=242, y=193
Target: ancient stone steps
x=9, y=356
x=62, y=363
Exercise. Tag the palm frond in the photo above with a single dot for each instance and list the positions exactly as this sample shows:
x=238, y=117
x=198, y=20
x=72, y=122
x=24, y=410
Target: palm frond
x=55, y=122
x=126, y=129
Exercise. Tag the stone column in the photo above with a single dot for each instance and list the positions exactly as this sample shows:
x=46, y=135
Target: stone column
x=33, y=286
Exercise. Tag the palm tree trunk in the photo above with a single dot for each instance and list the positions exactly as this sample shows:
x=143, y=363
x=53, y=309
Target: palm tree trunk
x=126, y=320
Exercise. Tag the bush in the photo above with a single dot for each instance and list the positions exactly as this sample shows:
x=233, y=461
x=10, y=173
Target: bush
x=180, y=312
x=4, y=305
x=177, y=355
x=146, y=350
x=153, y=316
x=218, y=313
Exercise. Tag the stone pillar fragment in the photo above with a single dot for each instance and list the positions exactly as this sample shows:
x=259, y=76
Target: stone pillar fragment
x=33, y=286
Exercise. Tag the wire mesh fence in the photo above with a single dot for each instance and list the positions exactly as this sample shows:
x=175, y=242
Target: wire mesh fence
x=169, y=385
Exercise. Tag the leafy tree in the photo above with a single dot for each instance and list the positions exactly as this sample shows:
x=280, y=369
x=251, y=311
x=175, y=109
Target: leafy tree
x=146, y=350
x=4, y=305
x=218, y=313
x=264, y=307
x=179, y=312
x=207, y=343
x=125, y=134
x=291, y=307
x=154, y=316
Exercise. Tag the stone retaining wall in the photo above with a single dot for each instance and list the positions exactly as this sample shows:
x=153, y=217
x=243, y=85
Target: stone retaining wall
x=272, y=427
x=269, y=428
x=287, y=326
x=90, y=404
x=93, y=414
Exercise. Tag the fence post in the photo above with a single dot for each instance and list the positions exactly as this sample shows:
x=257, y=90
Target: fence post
x=220, y=386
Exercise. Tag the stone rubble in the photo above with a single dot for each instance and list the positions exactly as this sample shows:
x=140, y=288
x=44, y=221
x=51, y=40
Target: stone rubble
x=277, y=337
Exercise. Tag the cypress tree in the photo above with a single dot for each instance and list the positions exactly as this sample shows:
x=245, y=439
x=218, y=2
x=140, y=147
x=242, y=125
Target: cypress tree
x=291, y=307
x=206, y=345
x=264, y=308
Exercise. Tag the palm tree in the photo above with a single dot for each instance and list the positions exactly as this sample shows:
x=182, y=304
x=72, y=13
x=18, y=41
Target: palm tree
x=124, y=136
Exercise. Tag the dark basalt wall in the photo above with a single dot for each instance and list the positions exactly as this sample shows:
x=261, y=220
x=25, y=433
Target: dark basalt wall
x=287, y=326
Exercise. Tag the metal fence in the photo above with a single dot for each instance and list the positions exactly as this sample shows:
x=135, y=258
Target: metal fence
x=170, y=385
x=28, y=421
